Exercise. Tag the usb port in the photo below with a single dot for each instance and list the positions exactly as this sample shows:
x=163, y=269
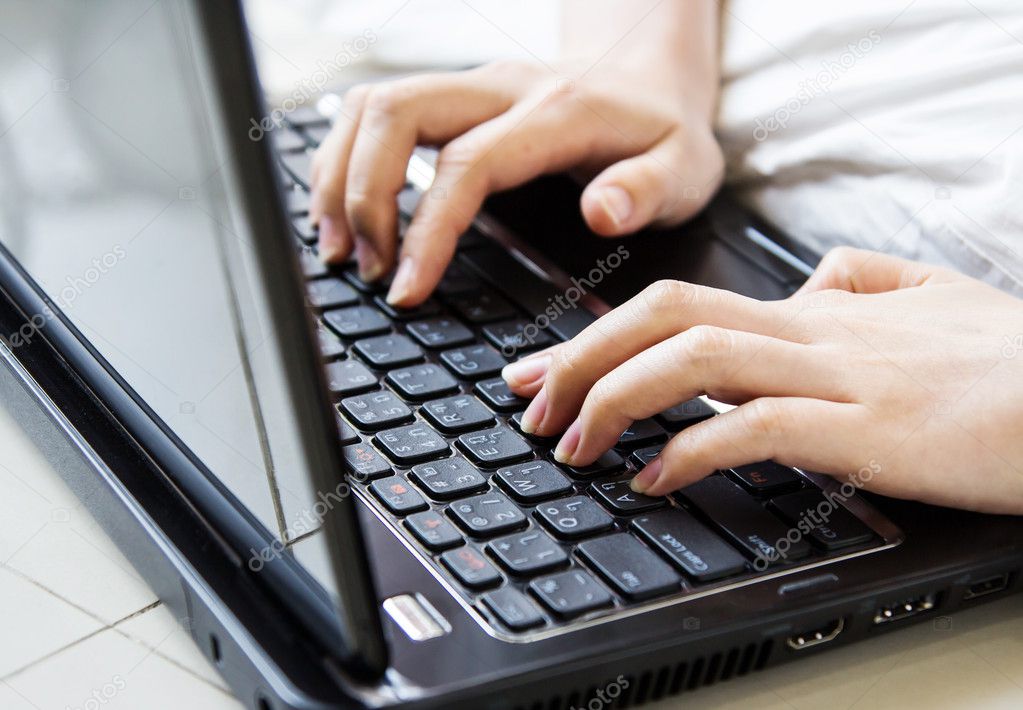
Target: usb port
x=989, y=585
x=815, y=637
x=905, y=608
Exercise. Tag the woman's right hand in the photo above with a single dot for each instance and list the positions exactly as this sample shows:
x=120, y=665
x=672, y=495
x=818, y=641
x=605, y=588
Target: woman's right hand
x=650, y=149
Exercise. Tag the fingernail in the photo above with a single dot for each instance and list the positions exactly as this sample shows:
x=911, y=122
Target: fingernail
x=370, y=267
x=402, y=284
x=534, y=413
x=525, y=372
x=617, y=203
x=331, y=243
x=642, y=481
x=569, y=443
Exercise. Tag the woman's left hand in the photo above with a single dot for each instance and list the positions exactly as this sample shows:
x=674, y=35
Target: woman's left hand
x=912, y=370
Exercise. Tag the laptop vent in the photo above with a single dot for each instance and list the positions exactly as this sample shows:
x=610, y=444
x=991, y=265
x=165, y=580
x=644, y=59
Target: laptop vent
x=657, y=683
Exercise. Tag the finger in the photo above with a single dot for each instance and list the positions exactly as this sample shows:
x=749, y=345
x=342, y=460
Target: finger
x=863, y=271
x=527, y=374
x=327, y=180
x=528, y=140
x=657, y=313
x=396, y=117
x=727, y=365
x=808, y=433
x=657, y=187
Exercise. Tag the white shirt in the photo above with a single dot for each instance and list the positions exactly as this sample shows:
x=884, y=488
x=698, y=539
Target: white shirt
x=888, y=125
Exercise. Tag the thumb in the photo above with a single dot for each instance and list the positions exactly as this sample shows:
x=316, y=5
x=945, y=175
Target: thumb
x=864, y=271
x=658, y=187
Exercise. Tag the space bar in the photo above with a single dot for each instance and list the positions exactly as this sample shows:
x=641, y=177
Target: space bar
x=528, y=290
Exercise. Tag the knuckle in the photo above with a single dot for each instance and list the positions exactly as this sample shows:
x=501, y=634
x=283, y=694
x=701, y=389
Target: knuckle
x=462, y=152
x=356, y=95
x=666, y=297
x=389, y=99
x=603, y=397
x=565, y=364
x=705, y=346
x=765, y=418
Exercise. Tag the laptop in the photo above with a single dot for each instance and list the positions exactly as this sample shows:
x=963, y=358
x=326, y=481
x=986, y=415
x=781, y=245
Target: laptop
x=332, y=495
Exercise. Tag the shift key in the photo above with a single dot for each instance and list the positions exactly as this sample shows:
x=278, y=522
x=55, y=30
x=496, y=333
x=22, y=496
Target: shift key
x=761, y=535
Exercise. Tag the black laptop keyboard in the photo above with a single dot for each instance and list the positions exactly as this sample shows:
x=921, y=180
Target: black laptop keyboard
x=431, y=434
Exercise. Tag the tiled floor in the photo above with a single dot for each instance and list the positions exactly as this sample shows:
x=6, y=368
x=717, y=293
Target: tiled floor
x=79, y=629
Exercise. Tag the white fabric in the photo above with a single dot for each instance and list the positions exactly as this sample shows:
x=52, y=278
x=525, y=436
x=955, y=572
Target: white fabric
x=910, y=140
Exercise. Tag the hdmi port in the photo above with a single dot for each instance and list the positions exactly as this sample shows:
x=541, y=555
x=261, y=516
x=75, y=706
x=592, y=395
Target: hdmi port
x=816, y=637
x=991, y=585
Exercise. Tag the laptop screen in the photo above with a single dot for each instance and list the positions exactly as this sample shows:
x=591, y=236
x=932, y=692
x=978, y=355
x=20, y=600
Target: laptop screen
x=113, y=196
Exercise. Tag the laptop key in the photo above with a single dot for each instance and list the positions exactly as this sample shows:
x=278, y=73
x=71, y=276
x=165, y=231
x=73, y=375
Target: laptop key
x=766, y=478
x=574, y=518
x=608, y=462
x=349, y=377
x=449, y=478
x=298, y=165
x=528, y=553
x=471, y=568
x=458, y=413
x=481, y=306
x=397, y=496
x=495, y=446
x=356, y=322
x=330, y=293
x=642, y=433
x=285, y=141
x=571, y=593
x=619, y=498
x=298, y=202
x=428, y=307
x=473, y=362
x=743, y=520
x=497, y=396
x=433, y=530
x=375, y=410
x=388, y=350
x=685, y=414
x=305, y=230
x=411, y=443
x=456, y=280
x=533, y=481
x=365, y=462
x=629, y=566
x=439, y=332
x=516, y=335
x=689, y=545
x=641, y=457
x=516, y=421
x=831, y=525
x=487, y=514
x=312, y=267
x=330, y=346
x=422, y=381
x=352, y=276
x=513, y=608
x=345, y=432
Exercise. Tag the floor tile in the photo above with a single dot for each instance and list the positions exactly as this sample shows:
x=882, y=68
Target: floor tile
x=41, y=624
